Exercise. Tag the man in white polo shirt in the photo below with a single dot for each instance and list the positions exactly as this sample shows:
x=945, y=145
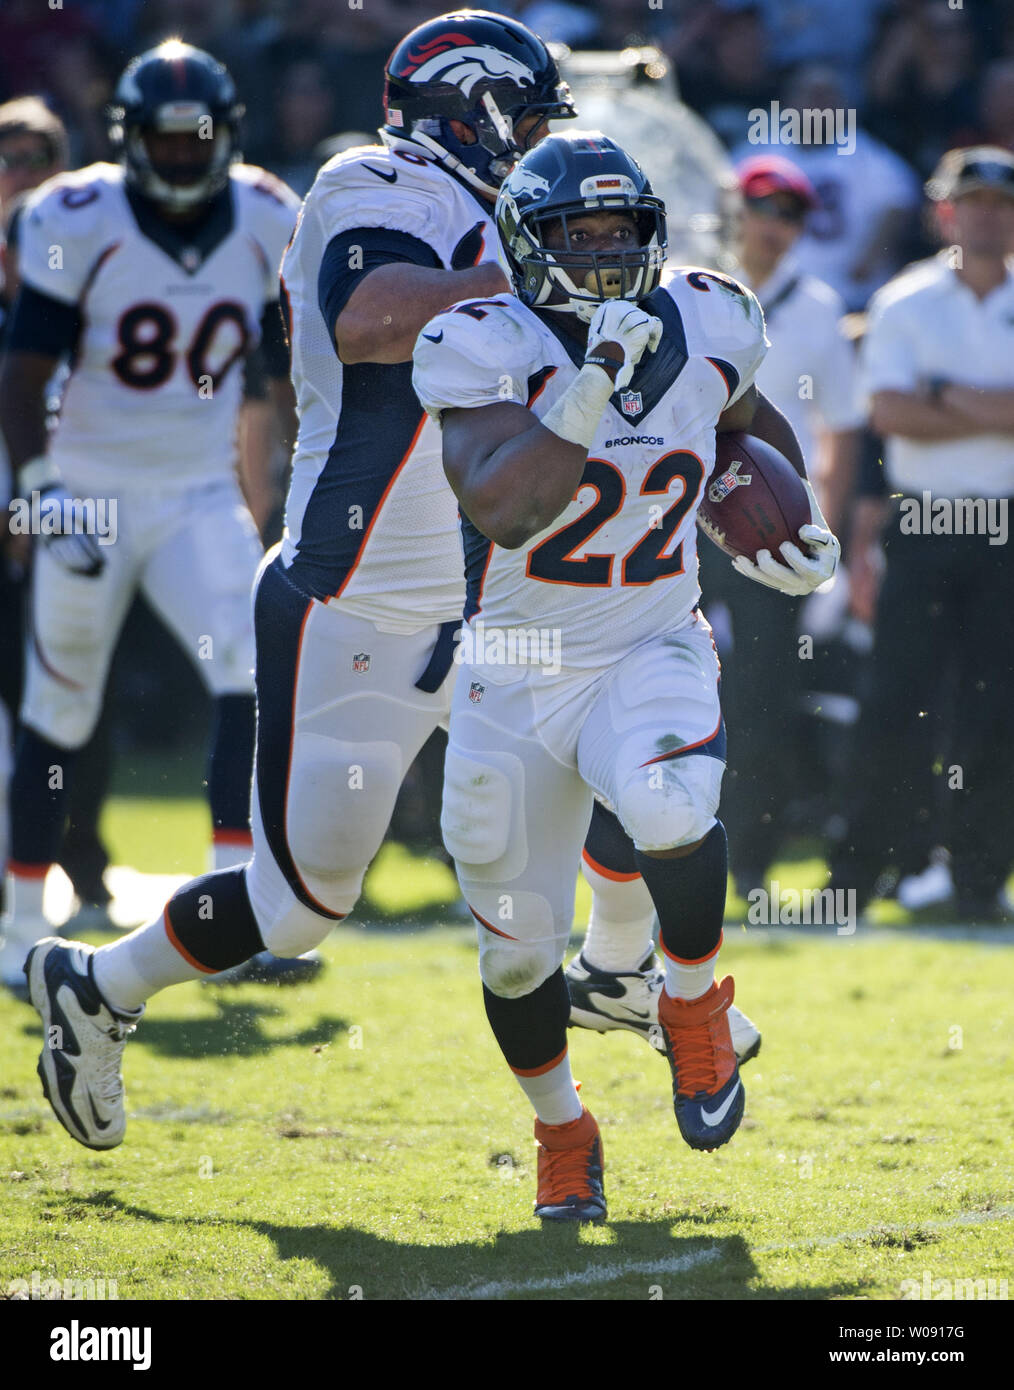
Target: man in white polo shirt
x=809, y=373
x=939, y=369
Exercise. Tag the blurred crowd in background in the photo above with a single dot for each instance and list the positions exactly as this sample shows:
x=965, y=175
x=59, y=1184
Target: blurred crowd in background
x=919, y=77
x=924, y=75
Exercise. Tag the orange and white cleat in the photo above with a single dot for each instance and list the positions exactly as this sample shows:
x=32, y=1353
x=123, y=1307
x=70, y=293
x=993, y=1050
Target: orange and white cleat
x=570, y=1171
x=708, y=1095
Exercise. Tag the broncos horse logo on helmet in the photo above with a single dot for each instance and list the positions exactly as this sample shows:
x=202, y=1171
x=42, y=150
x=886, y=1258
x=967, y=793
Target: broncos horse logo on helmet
x=482, y=69
x=568, y=176
x=465, y=64
x=176, y=90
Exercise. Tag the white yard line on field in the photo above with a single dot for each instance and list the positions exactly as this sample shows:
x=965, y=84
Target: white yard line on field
x=962, y=1218
x=683, y=1264
x=593, y=1274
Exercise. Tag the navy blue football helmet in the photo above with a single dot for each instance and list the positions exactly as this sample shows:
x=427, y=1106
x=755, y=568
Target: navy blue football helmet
x=567, y=176
x=176, y=89
x=479, y=68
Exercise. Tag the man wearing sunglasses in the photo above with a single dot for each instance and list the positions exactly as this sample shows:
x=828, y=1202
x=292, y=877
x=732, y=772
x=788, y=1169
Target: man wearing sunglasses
x=809, y=373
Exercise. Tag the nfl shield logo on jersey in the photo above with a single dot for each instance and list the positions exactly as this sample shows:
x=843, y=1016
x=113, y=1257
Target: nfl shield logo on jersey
x=630, y=402
x=730, y=479
x=361, y=662
x=475, y=692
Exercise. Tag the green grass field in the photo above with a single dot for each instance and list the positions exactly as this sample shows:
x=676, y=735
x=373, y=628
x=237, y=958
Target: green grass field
x=362, y=1136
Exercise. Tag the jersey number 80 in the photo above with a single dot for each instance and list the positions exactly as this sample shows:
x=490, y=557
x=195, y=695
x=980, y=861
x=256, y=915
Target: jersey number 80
x=147, y=332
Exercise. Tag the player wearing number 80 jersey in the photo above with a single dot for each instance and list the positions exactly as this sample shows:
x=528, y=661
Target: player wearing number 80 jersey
x=164, y=317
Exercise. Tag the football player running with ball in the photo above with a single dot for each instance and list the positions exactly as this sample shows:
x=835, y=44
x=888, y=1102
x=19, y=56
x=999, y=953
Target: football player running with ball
x=579, y=523
x=155, y=277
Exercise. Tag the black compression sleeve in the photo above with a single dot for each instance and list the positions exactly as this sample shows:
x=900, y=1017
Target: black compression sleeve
x=351, y=256
x=274, y=346
x=255, y=382
x=40, y=323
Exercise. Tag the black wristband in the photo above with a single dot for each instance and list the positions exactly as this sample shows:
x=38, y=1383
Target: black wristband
x=605, y=363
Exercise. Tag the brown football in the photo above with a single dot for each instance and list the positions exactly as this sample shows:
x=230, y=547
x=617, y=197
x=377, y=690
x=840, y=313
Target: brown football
x=754, y=500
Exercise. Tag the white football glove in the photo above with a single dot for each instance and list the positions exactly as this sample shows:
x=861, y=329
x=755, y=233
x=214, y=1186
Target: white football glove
x=77, y=550
x=801, y=573
x=619, y=321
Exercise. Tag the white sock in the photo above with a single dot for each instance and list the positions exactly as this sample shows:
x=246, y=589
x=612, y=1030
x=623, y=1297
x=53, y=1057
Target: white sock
x=23, y=915
x=138, y=965
x=621, y=925
x=230, y=853
x=21, y=926
x=690, y=979
x=553, y=1094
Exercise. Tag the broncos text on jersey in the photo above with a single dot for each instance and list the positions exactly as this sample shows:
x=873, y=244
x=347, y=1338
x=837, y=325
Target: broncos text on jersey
x=619, y=565
x=157, y=374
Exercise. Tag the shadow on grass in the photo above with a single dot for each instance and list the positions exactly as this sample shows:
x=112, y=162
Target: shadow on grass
x=551, y=1262
x=237, y=1030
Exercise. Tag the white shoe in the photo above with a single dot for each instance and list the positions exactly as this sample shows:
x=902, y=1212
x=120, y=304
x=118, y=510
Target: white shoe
x=934, y=885
x=83, y=1041
x=604, y=999
x=746, y=1037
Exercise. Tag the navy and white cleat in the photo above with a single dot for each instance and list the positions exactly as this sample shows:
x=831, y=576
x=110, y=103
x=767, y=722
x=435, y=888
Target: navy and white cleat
x=83, y=1041
x=603, y=999
x=266, y=969
x=707, y=1092
x=570, y=1171
x=606, y=999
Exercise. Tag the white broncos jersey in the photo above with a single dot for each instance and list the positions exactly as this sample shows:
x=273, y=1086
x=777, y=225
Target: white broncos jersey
x=619, y=564
x=156, y=384
x=370, y=520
